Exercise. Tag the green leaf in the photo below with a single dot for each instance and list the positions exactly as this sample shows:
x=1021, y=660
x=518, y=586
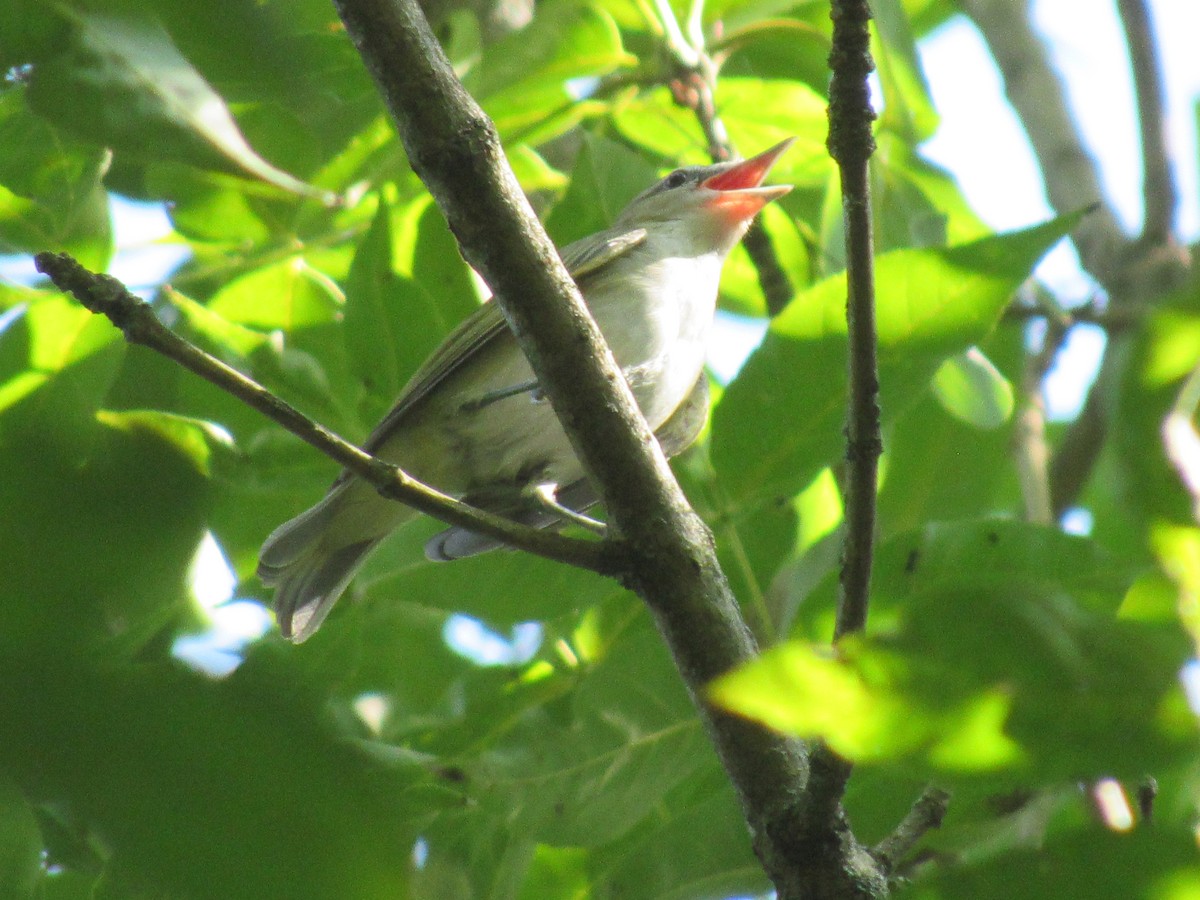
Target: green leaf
x=592, y=776
x=195, y=439
x=436, y=264
x=59, y=361
x=532, y=170
x=1161, y=355
x=392, y=324
x=523, y=82
x=211, y=788
x=607, y=175
x=52, y=195
x=372, y=316
x=289, y=295
x=208, y=206
x=659, y=859
x=565, y=40
x=979, y=629
x=121, y=82
x=779, y=422
x=758, y=114
x=907, y=108
x=108, y=520
x=971, y=388
x=860, y=705
x=215, y=328
x=939, y=467
x=20, y=844
x=1157, y=863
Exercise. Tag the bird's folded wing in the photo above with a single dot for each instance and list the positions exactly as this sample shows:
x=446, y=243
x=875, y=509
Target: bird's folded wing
x=482, y=327
x=589, y=255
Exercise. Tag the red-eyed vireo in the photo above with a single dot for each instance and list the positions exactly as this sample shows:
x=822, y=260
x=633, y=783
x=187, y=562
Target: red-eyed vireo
x=472, y=421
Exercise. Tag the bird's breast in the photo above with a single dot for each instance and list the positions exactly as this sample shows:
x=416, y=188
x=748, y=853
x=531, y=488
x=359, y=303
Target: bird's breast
x=656, y=319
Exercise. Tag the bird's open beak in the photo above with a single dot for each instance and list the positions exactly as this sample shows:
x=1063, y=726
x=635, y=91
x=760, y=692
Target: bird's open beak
x=739, y=191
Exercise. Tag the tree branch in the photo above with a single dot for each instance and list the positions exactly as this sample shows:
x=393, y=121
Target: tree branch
x=1131, y=274
x=104, y=295
x=1037, y=95
x=1159, y=193
x=926, y=814
x=1029, y=446
x=667, y=553
x=851, y=144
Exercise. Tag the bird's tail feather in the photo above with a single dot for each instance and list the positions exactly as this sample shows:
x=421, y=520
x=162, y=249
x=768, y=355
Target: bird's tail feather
x=308, y=571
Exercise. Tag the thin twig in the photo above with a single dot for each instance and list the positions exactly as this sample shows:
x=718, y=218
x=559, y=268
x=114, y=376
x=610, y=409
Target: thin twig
x=1030, y=448
x=694, y=87
x=1113, y=321
x=1159, y=192
x=105, y=295
x=851, y=145
x=926, y=814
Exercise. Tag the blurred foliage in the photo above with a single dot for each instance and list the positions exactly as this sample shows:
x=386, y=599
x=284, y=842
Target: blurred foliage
x=1012, y=663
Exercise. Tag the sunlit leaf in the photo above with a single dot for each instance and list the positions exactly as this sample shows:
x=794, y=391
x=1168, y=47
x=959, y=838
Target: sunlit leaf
x=51, y=191
x=972, y=389
x=780, y=420
x=193, y=438
x=290, y=295
x=758, y=114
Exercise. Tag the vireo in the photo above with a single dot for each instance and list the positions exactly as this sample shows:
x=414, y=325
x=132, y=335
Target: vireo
x=472, y=421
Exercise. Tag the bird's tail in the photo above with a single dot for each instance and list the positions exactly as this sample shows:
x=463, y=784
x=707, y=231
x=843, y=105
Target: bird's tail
x=309, y=567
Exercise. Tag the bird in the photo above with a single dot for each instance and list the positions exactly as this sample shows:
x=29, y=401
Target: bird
x=473, y=421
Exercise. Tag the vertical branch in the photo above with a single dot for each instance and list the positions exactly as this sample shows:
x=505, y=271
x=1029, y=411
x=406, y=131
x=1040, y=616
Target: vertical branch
x=851, y=145
x=1159, y=193
x=1030, y=448
x=1132, y=274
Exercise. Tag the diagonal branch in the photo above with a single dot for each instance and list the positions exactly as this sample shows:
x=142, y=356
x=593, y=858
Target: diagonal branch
x=1036, y=93
x=104, y=295
x=925, y=815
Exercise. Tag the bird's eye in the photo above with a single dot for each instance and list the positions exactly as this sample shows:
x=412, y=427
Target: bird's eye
x=676, y=179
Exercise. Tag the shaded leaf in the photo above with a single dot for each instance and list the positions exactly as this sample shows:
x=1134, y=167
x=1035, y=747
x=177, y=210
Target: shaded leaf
x=123, y=83
x=51, y=191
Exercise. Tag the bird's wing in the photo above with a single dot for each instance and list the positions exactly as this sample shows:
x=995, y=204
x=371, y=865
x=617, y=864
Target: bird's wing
x=590, y=254
x=582, y=258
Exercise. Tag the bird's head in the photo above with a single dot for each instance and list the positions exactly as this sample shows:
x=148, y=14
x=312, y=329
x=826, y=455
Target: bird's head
x=708, y=206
